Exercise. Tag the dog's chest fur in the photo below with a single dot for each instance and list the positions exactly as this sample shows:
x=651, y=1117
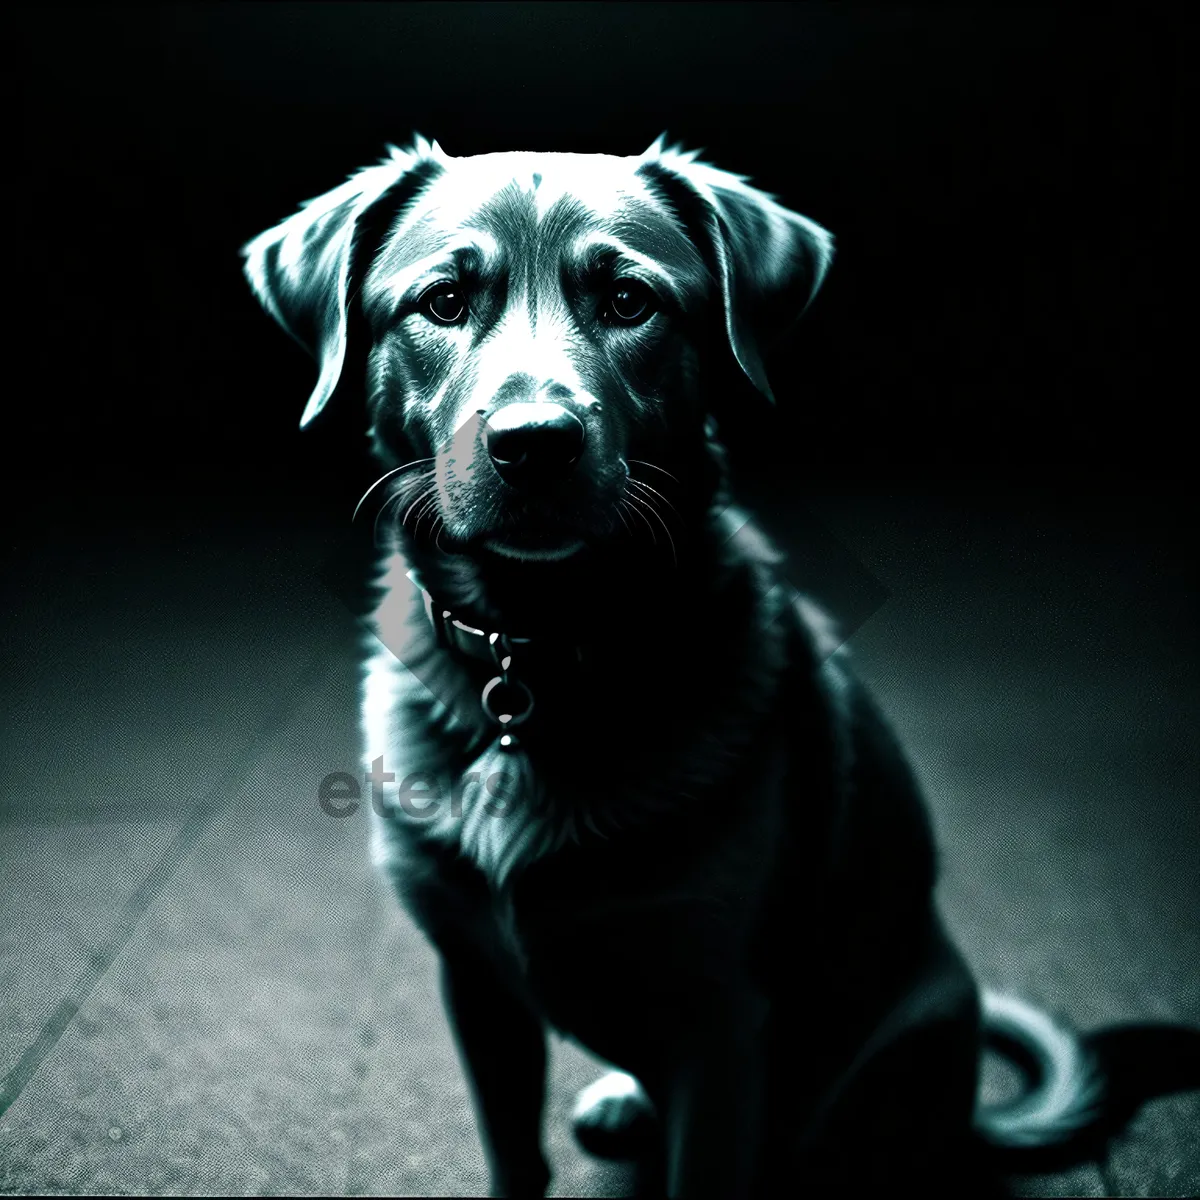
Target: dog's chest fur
x=658, y=733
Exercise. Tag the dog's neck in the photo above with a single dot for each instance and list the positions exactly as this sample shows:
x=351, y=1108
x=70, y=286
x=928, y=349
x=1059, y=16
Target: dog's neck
x=625, y=595
x=643, y=689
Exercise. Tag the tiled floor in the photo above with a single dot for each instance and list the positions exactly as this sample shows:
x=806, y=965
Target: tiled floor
x=206, y=989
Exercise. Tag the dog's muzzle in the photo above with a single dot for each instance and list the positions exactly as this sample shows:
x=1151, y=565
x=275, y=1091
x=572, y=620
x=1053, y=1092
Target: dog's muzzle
x=533, y=444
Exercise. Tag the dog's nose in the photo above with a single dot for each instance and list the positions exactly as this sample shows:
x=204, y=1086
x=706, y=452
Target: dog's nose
x=531, y=444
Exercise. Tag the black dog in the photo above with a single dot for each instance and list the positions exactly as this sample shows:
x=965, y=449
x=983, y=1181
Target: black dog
x=655, y=809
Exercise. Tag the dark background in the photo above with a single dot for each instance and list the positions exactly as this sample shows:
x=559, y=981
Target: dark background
x=979, y=461
x=1004, y=186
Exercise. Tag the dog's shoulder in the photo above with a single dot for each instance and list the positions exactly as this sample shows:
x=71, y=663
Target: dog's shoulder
x=881, y=834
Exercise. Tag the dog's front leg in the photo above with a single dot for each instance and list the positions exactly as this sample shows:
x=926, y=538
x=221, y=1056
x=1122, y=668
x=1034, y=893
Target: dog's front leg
x=715, y=1099
x=502, y=1044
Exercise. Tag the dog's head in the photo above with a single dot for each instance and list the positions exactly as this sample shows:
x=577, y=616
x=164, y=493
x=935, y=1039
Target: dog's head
x=540, y=335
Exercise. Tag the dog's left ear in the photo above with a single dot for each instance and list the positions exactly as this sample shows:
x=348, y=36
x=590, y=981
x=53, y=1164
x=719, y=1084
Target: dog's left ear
x=301, y=270
x=769, y=261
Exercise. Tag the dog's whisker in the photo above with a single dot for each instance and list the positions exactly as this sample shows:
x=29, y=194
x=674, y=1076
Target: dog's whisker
x=641, y=462
x=416, y=462
x=428, y=509
x=394, y=502
x=617, y=509
x=383, y=508
x=421, y=497
x=645, y=487
x=417, y=502
x=658, y=516
x=638, y=511
x=401, y=492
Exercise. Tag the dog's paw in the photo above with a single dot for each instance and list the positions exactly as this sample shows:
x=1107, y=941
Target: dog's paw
x=613, y=1117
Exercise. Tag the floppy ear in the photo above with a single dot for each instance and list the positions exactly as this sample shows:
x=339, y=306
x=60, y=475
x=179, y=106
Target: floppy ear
x=769, y=261
x=301, y=269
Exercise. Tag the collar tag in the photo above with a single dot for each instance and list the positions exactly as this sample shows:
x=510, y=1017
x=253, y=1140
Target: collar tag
x=505, y=700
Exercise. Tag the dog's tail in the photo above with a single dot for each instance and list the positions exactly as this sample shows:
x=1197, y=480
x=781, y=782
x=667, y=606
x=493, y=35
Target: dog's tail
x=1066, y=1099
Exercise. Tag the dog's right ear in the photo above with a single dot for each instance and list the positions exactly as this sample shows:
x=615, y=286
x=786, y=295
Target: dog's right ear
x=301, y=269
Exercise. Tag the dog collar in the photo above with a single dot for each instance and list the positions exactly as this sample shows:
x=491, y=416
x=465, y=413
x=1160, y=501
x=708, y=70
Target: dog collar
x=505, y=700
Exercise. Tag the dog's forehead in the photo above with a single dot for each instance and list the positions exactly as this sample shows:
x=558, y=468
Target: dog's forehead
x=519, y=198
x=602, y=184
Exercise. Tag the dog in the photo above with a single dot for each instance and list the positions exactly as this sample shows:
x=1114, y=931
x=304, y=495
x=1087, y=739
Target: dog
x=640, y=796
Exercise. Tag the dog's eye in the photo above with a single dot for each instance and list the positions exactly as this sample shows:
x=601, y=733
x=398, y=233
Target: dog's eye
x=445, y=304
x=630, y=302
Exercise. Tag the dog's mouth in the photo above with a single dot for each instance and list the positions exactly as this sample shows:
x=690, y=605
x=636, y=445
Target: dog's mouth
x=537, y=530
x=526, y=549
